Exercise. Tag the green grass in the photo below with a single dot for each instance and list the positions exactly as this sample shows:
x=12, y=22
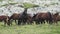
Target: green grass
x=30, y=29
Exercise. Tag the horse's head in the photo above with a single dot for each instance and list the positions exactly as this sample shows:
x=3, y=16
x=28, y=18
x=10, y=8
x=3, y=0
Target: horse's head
x=25, y=11
x=56, y=13
x=34, y=15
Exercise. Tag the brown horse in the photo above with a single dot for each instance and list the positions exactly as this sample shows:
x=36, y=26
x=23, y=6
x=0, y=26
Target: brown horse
x=56, y=18
x=15, y=17
x=29, y=19
x=41, y=17
x=5, y=19
x=35, y=18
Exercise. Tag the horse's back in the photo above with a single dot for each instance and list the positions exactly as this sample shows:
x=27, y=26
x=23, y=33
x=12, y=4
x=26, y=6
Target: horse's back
x=15, y=16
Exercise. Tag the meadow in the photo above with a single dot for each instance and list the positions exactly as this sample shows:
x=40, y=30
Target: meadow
x=30, y=29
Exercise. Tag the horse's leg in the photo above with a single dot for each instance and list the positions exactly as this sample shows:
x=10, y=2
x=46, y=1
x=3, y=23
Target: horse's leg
x=4, y=23
x=31, y=22
x=47, y=21
x=24, y=22
x=50, y=21
x=37, y=22
x=44, y=21
x=19, y=22
x=41, y=22
x=11, y=22
x=28, y=22
x=15, y=22
x=56, y=22
x=8, y=23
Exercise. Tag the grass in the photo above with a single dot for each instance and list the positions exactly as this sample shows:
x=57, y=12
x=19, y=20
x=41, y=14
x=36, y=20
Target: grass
x=30, y=29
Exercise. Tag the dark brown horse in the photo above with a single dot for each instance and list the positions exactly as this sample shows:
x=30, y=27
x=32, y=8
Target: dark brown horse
x=5, y=19
x=35, y=18
x=56, y=18
x=41, y=17
x=15, y=17
x=29, y=19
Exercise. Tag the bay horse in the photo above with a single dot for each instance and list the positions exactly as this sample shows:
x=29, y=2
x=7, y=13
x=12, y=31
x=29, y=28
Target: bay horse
x=56, y=18
x=34, y=19
x=42, y=17
x=29, y=19
x=37, y=18
x=15, y=17
x=5, y=19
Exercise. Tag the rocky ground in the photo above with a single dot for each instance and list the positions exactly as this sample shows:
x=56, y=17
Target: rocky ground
x=44, y=6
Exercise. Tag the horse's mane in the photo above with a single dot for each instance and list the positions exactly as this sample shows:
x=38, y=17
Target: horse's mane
x=56, y=14
x=34, y=15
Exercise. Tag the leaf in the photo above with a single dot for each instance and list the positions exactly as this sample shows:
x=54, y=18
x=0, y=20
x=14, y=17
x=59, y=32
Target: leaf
x=12, y=3
x=1, y=0
x=4, y=5
x=8, y=4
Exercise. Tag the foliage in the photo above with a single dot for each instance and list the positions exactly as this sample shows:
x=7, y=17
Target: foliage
x=46, y=5
x=29, y=5
x=26, y=5
x=1, y=0
x=8, y=4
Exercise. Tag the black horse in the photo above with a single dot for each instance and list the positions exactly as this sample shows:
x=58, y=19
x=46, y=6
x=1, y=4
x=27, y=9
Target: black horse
x=23, y=17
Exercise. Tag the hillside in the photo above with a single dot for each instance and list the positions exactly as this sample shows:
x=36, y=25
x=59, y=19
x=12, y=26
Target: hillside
x=44, y=6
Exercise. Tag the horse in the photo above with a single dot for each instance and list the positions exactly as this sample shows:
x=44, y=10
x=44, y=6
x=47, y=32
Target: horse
x=29, y=19
x=15, y=17
x=34, y=19
x=23, y=17
x=56, y=18
x=42, y=17
x=5, y=19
